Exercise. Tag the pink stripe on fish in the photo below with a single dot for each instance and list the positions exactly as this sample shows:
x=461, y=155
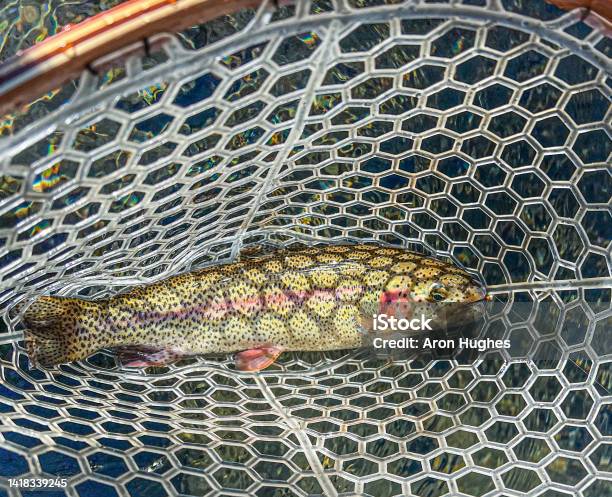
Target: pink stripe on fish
x=221, y=307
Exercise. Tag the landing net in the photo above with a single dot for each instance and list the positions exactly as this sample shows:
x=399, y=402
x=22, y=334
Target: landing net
x=474, y=130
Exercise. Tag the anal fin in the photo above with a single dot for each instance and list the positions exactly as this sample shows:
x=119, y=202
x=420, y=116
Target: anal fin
x=140, y=356
x=257, y=359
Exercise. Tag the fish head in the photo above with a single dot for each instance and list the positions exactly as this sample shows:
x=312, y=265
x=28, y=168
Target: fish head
x=431, y=288
x=450, y=295
x=440, y=282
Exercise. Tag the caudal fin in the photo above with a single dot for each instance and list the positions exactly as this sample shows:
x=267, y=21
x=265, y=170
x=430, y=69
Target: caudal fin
x=51, y=330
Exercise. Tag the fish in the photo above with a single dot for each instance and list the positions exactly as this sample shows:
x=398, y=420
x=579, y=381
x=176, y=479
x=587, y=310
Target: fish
x=317, y=298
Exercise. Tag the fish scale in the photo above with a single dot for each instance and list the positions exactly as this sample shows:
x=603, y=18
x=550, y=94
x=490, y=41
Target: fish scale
x=316, y=299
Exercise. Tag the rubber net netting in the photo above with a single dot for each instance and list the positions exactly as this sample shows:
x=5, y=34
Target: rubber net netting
x=476, y=130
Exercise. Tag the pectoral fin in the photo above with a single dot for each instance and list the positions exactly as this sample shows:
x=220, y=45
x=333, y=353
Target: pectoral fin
x=257, y=359
x=143, y=356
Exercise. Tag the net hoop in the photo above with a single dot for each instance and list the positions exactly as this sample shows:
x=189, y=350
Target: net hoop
x=125, y=30
x=76, y=48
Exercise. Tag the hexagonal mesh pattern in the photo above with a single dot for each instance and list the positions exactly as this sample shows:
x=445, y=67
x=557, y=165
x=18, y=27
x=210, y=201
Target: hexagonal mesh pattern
x=477, y=130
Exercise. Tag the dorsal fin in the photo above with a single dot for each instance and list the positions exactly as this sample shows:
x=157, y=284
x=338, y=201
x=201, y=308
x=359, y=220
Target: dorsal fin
x=257, y=252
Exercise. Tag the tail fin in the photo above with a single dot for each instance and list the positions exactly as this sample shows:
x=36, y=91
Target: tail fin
x=52, y=331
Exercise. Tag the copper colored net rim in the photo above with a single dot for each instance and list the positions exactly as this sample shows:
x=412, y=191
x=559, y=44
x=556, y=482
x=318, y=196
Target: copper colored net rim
x=65, y=55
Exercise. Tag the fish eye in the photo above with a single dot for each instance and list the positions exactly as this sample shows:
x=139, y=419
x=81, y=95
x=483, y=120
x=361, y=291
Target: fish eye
x=438, y=292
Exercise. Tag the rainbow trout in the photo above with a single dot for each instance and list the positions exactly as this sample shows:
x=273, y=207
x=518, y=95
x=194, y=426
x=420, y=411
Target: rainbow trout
x=312, y=299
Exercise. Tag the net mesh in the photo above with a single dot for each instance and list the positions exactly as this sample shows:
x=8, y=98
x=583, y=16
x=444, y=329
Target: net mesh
x=473, y=130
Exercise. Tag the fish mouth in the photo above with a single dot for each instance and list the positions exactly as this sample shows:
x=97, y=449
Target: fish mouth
x=478, y=294
x=482, y=291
